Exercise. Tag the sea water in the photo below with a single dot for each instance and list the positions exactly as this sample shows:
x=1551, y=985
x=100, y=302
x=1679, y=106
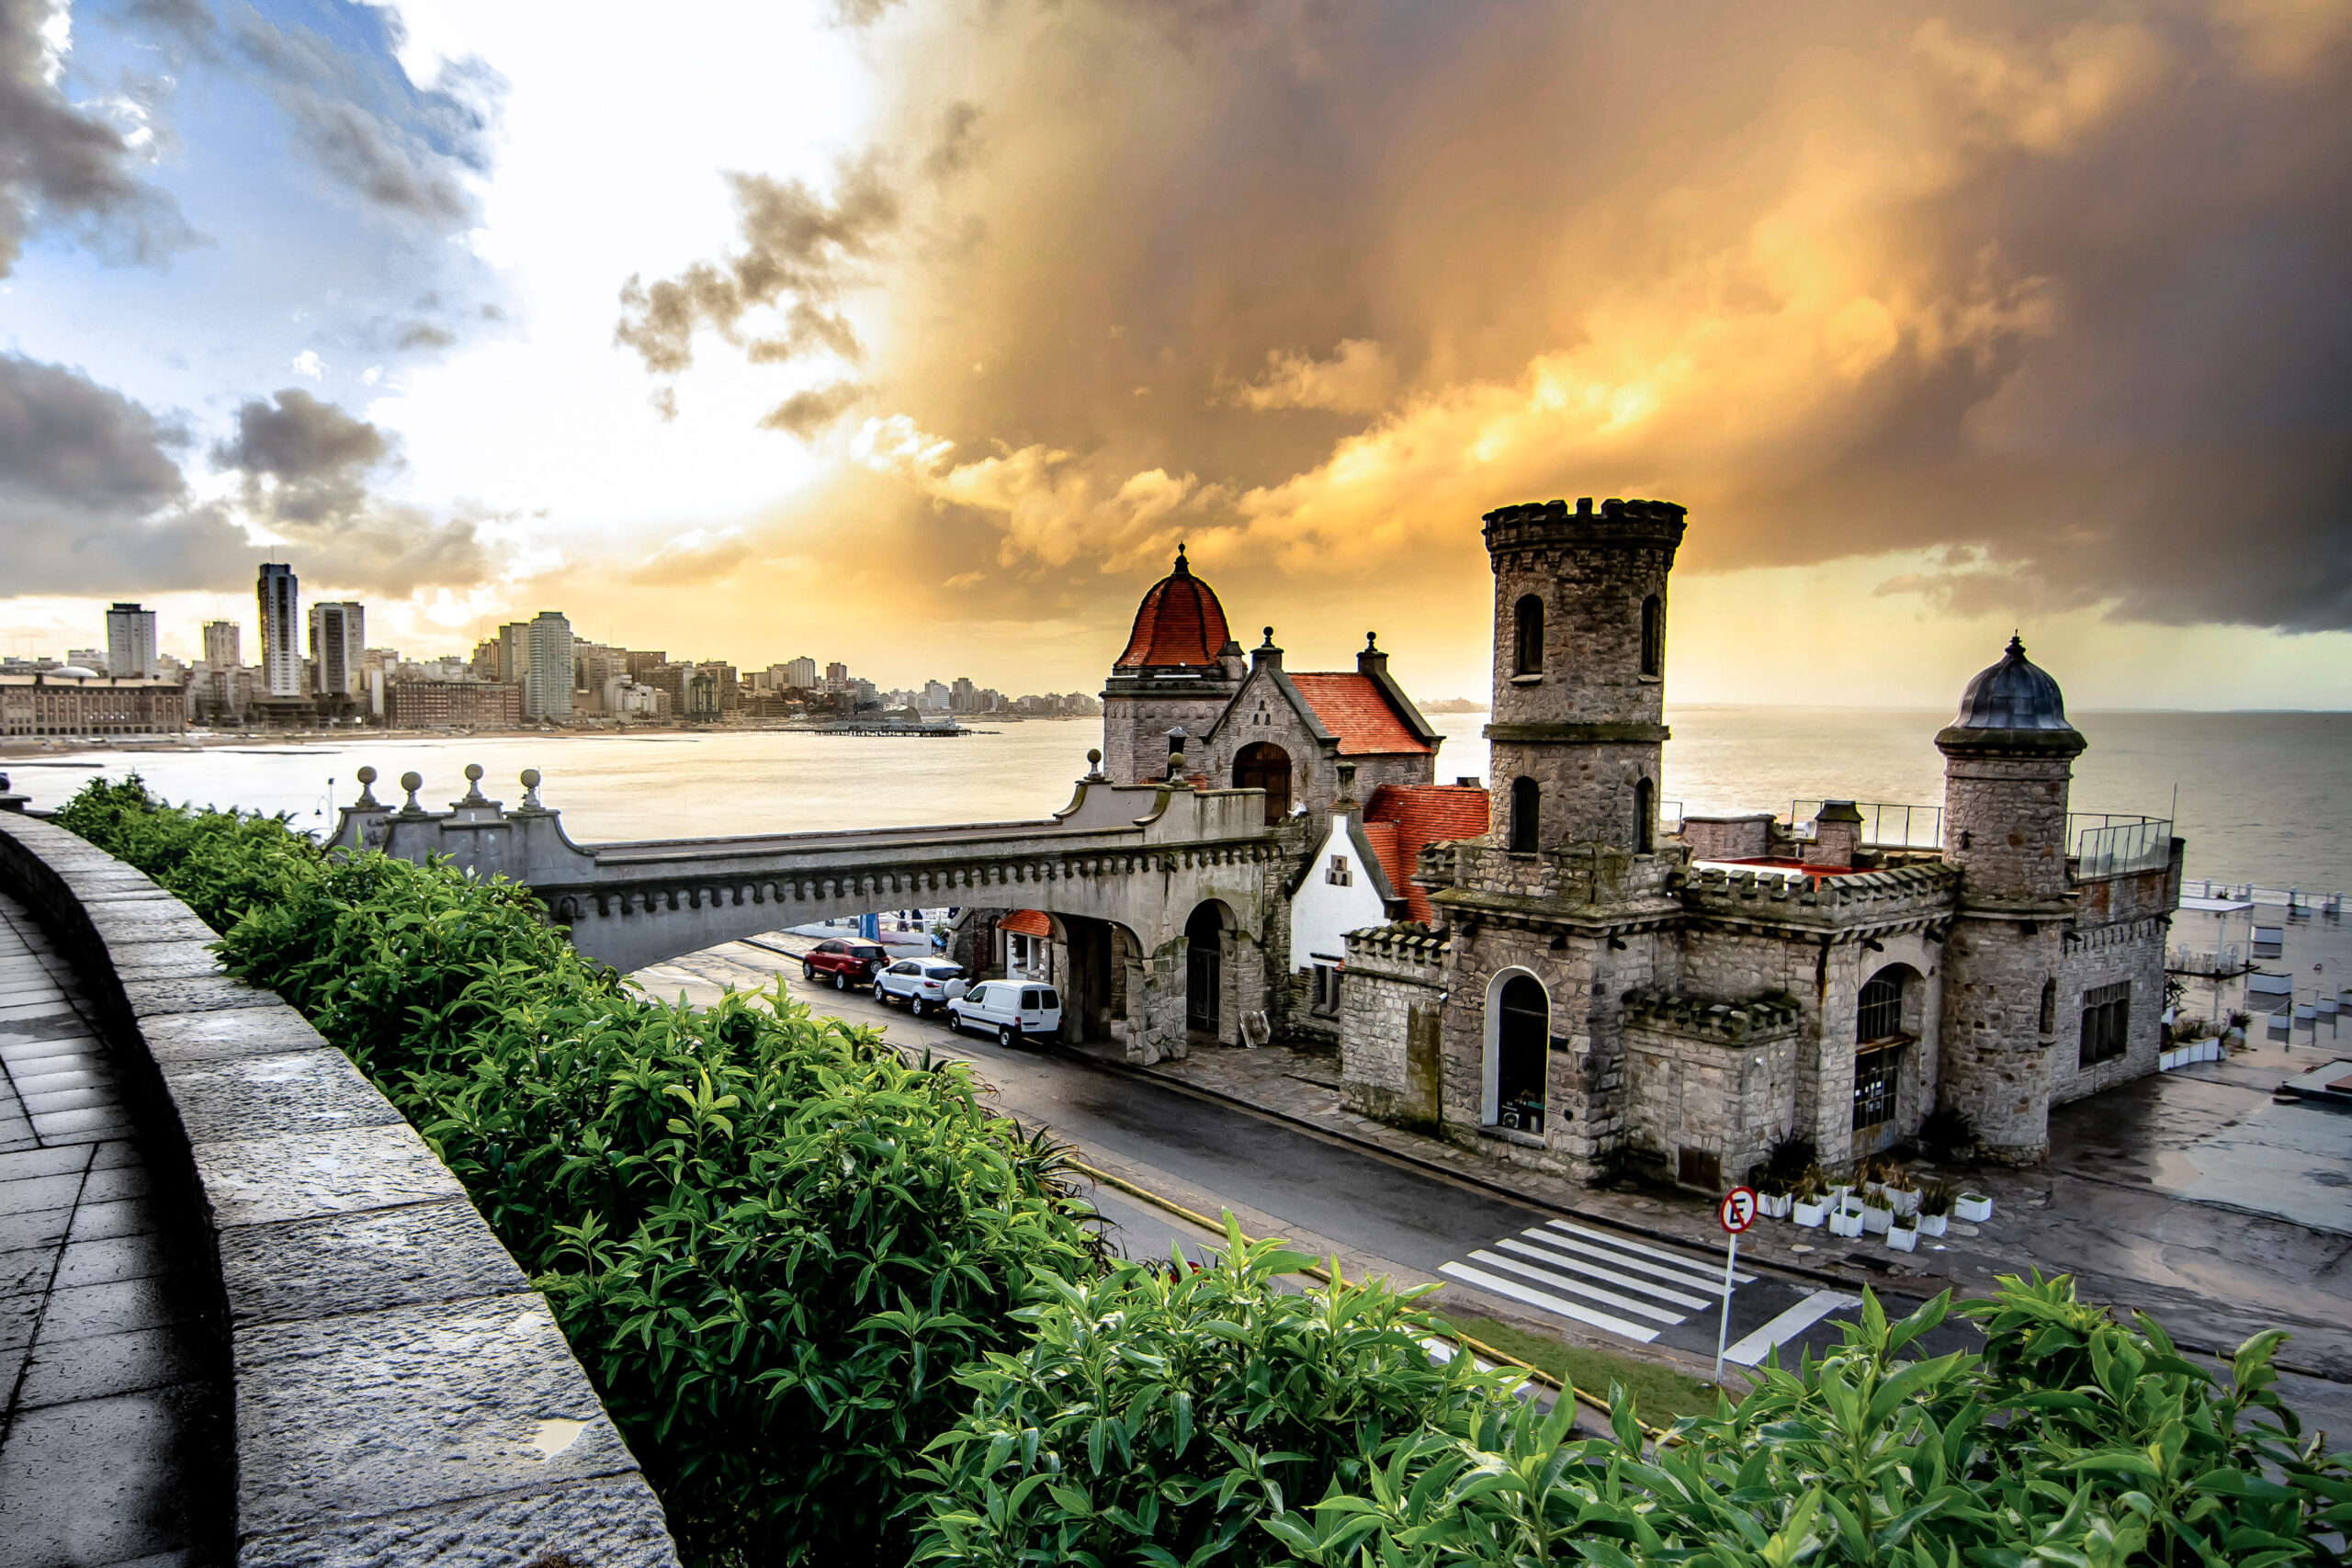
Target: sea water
x=2262, y=797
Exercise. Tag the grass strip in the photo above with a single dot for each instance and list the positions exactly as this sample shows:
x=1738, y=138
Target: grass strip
x=1660, y=1393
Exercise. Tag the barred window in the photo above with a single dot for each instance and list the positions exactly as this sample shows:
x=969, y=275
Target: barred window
x=2106, y=1022
x=1879, y=1015
x=1876, y=1076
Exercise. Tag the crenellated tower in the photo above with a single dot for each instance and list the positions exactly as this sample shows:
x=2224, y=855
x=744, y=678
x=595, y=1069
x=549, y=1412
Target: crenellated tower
x=1578, y=711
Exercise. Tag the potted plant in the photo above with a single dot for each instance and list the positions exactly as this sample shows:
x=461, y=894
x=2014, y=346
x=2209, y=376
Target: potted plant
x=1903, y=1191
x=1973, y=1207
x=1935, y=1208
x=1873, y=1173
x=1771, y=1194
x=1902, y=1232
x=1809, y=1203
x=1846, y=1219
x=1878, y=1211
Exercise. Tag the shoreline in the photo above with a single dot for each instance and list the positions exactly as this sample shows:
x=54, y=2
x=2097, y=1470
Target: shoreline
x=16, y=749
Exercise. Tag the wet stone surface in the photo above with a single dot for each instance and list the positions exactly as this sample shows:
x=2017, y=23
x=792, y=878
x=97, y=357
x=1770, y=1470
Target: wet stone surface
x=114, y=1426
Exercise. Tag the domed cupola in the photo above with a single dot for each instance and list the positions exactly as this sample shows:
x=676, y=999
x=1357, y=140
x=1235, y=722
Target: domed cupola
x=2014, y=694
x=1180, y=625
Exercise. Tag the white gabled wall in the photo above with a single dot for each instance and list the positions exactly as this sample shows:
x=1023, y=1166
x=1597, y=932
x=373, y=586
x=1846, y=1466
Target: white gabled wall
x=1321, y=912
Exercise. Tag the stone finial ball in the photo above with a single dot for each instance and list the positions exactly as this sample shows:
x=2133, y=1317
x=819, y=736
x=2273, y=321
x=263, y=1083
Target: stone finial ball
x=412, y=781
x=1094, y=756
x=473, y=773
x=1176, y=762
x=366, y=776
x=530, y=778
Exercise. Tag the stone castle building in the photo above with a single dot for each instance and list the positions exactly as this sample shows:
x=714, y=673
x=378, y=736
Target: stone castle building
x=1546, y=970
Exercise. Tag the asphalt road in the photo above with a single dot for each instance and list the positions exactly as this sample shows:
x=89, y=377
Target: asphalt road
x=1592, y=1283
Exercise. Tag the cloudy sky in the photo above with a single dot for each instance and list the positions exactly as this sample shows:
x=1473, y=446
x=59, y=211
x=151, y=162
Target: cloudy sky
x=918, y=333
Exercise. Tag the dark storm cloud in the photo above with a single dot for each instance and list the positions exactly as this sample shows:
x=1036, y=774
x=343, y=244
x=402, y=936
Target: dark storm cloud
x=801, y=251
x=91, y=496
x=65, y=166
x=2056, y=292
x=804, y=413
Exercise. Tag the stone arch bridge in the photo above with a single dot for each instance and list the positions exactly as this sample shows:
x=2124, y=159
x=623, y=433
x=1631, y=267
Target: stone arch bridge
x=1123, y=871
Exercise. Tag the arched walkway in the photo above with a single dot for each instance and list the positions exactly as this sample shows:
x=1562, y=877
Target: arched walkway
x=1519, y=1027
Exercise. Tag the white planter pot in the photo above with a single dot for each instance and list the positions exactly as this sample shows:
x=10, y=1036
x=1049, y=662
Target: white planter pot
x=1872, y=1189
x=1810, y=1215
x=1905, y=1203
x=1843, y=1224
x=2168, y=1060
x=1876, y=1221
x=1841, y=1191
x=1933, y=1225
x=1773, y=1205
x=1973, y=1207
x=2209, y=1051
x=1903, y=1238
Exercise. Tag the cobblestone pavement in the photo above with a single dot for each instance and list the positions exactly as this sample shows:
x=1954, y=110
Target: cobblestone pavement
x=111, y=1424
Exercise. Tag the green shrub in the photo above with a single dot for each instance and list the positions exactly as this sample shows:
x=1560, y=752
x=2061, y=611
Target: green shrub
x=1161, y=1415
x=772, y=1241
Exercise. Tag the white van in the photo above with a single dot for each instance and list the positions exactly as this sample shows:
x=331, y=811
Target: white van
x=1009, y=1008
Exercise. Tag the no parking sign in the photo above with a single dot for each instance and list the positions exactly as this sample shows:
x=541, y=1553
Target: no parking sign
x=1735, y=1213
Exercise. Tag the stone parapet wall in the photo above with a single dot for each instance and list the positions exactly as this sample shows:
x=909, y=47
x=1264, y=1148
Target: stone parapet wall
x=1577, y=878
x=1390, y=1058
x=1721, y=1022
x=2133, y=897
x=402, y=1394
x=1862, y=897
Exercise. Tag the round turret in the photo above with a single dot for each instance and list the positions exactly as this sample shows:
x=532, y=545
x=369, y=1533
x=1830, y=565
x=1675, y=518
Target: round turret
x=2014, y=694
x=1178, y=626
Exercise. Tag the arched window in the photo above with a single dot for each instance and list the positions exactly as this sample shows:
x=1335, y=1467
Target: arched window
x=2050, y=1005
x=1264, y=765
x=1521, y=1024
x=1526, y=801
x=1527, y=637
x=1653, y=635
x=1878, y=1013
x=1644, y=817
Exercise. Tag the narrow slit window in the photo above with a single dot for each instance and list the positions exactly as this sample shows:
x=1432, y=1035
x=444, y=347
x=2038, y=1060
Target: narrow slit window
x=1527, y=636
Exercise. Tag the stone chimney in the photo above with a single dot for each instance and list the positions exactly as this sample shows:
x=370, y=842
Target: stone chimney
x=1837, y=836
x=1347, y=805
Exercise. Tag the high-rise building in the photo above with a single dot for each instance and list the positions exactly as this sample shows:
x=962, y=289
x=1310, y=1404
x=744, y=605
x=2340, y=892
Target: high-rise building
x=515, y=651
x=837, y=676
x=222, y=650
x=641, y=660
x=935, y=696
x=338, y=646
x=130, y=641
x=801, y=674
x=280, y=597
x=547, y=688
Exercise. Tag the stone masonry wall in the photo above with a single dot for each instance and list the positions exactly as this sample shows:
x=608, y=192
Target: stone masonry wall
x=1390, y=1001
x=1994, y=1066
x=1135, y=726
x=1723, y=1092
x=2005, y=824
x=2132, y=951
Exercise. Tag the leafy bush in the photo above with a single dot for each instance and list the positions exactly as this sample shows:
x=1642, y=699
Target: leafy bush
x=772, y=1241
x=1947, y=1134
x=1164, y=1415
x=1870, y=1458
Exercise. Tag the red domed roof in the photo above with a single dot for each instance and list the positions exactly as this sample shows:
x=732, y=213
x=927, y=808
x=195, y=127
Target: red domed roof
x=1178, y=624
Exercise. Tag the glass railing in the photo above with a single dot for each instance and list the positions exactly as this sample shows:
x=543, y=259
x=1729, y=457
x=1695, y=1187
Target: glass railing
x=1885, y=825
x=2117, y=846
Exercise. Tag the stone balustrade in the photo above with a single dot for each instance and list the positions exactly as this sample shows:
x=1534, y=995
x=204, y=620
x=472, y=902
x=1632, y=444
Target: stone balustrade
x=402, y=1394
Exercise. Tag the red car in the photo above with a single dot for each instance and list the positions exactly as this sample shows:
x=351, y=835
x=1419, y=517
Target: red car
x=848, y=963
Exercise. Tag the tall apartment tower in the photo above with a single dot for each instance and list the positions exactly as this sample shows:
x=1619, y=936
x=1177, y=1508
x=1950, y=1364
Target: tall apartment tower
x=547, y=684
x=280, y=598
x=338, y=648
x=800, y=674
x=514, y=651
x=222, y=645
x=130, y=641
x=1579, y=671
x=2008, y=766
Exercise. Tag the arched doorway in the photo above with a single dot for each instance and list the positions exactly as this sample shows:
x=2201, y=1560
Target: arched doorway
x=1518, y=1028
x=1264, y=765
x=1203, y=969
x=1885, y=1029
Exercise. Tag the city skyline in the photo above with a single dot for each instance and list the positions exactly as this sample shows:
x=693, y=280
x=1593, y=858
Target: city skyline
x=939, y=361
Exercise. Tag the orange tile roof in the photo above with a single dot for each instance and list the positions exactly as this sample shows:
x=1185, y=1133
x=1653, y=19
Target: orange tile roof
x=1411, y=815
x=1027, y=922
x=1353, y=708
x=1179, y=624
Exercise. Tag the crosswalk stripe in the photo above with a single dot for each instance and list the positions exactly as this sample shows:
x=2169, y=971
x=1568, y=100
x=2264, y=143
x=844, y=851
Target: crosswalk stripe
x=1556, y=1261
x=1550, y=1303
x=1666, y=1315
x=1689, y=1278
x=1698, y=1267
x=1751, y=1351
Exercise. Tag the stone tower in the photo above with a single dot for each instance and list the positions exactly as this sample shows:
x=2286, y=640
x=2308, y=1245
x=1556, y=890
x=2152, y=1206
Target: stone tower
x=1179, y=670
x=2009, y=759
x=1579, y=670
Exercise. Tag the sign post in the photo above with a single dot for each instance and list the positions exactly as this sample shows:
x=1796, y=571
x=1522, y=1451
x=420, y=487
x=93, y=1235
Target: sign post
x=1735, y=1213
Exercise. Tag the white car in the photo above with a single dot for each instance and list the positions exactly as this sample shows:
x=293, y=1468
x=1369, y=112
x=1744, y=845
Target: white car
x=1007, y=1008
x=920, y=983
